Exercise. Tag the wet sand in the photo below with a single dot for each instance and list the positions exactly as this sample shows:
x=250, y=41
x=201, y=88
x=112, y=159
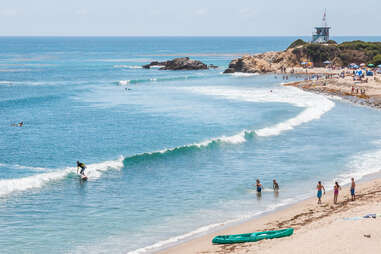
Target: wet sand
x=318, y=228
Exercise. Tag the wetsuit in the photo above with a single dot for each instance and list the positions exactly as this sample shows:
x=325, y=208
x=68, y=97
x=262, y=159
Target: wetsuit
x=83, y=167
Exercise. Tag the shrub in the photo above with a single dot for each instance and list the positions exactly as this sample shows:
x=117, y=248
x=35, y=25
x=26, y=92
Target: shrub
x=298, y=42
x=377, y=60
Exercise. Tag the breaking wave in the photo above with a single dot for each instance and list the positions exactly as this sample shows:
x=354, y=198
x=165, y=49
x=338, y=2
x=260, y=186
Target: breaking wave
x=315, y=106
x=122, y=66
x=148, y=80
x=94, y=171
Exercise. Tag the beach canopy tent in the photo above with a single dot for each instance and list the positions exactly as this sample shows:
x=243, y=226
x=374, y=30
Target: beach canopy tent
x=353, y=66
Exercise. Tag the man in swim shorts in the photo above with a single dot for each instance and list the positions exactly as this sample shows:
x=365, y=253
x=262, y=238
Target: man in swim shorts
x=353, y=186
x=320, y=187
x=82, y=166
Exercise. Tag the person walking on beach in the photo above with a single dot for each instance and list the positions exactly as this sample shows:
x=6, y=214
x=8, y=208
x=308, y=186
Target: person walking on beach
x=353, y=186
x=259, y=186
x=320, y=188
x=336, y=189
x=275, y=185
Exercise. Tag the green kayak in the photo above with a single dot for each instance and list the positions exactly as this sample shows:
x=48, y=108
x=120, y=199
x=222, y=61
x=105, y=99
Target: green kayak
x=252, y=237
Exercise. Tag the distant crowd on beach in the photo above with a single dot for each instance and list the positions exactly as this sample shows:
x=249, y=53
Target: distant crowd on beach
x=320, y=189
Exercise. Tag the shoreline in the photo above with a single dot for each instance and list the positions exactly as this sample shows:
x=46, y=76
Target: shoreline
x=343, y=87
x=305, y=214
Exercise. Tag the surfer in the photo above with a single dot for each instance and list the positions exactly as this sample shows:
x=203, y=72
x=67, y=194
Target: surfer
x=275, y=185
x=20, y=124
x=320, y=187
x=83, y=168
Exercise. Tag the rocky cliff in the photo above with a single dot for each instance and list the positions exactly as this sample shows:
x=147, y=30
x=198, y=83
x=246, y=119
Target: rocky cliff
x=299, y=51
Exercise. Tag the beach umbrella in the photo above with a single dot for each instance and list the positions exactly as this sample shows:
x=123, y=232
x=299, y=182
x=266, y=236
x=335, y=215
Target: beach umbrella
x=303, y=63
x=362, y=64
x=370, y=65
x=327, y=62
x=379, y=66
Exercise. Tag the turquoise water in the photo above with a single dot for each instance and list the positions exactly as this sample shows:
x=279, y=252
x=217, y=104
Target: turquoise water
x=174, y=156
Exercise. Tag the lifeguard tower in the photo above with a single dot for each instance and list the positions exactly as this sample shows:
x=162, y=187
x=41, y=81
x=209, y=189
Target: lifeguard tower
x=321, y=34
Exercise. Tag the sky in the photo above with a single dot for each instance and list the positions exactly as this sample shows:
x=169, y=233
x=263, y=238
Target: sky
x=186, y=18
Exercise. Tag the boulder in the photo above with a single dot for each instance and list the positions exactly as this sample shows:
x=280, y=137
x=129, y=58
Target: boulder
x=183, y=63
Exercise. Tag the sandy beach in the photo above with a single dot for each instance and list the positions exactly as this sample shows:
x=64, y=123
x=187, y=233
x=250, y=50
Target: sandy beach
x=325, y=228
x=342, y=86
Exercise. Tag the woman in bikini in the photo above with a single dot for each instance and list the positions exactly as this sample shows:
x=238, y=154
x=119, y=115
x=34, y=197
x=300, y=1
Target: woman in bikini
x=336, y=189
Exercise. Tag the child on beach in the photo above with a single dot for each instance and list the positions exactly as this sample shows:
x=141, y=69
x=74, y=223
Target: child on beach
x=320, y=187
x=275, y=185
x=336, y=189
x=259, y=186
x=353, y=186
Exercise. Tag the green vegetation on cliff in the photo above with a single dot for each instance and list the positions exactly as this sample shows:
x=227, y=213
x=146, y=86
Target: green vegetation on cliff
x=339, y=54
x=298, y=42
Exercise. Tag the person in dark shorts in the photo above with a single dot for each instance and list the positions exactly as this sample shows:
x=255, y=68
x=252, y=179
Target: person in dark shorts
x=259, y=186
x=353, y=186
x=275, y=185
x=81, y=166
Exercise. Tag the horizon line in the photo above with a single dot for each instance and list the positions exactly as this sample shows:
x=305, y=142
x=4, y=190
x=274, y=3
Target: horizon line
x=332, y=36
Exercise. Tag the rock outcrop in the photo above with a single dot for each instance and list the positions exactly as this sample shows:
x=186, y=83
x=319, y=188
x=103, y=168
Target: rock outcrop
x=183, y=63
x=299, y=51
x=263, y=63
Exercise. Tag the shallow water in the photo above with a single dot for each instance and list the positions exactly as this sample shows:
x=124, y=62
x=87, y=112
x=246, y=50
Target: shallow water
x=174, y=156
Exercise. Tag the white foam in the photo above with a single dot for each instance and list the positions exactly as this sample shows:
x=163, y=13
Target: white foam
x=361, y=165
x=315, y=105
x=128, y=66
x=16, y=166
x=124, y=82
x=242, y=74
x=93, y=171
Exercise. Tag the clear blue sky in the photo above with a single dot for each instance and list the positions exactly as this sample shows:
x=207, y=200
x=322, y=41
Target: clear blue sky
x=195, y=17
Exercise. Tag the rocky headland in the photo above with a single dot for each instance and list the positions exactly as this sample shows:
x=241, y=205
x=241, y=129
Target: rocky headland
x=183, y=63
x=338, y=55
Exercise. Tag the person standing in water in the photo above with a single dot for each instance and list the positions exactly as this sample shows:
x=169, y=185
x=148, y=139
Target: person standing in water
x=320, y=188
x=259, y=186
x=275, y=185
x=353, y=186
x=83, y=168
x=336, y=189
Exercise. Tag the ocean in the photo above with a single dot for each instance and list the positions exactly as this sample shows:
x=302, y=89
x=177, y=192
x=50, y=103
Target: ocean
x=170, y=154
